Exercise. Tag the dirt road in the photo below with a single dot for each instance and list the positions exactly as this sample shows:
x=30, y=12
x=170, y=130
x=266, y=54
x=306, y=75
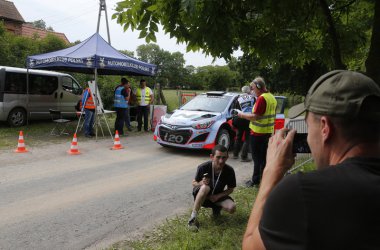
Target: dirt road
x=52, y=200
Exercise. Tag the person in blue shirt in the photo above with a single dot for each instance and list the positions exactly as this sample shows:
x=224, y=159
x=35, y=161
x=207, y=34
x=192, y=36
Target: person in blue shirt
x=121, y=98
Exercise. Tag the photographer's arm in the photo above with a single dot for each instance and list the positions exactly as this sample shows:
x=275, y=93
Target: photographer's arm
x=279, y=159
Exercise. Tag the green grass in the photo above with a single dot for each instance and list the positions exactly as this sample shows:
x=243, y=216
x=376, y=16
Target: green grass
x=37, y=133
x=172, y=97
x=224, y=233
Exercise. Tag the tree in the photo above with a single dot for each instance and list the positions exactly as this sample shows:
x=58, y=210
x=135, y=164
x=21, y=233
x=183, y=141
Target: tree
x=41, y=24
x=215, y=77
x=295, y=32
x=51, y=43
x=170, y=66
x=15, y=49
x=128, y=53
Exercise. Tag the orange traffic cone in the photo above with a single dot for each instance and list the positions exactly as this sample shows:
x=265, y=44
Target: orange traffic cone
x=74, y=146
x=21, y=144
x=117, y=144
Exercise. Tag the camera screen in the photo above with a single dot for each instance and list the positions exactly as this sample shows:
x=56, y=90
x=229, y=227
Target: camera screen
x=300, y=143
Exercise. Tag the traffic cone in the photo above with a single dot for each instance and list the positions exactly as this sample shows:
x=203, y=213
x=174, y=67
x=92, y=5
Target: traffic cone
x=116, y=143
x=74, y=146
x=21, y=144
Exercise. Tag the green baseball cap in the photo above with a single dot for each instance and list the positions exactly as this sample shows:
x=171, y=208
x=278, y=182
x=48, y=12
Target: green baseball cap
x=341, y=93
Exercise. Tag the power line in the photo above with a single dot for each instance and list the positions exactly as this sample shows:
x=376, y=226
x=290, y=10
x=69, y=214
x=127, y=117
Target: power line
x=84, y=12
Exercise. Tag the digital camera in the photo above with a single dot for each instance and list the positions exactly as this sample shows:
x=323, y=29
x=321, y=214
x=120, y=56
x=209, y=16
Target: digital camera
x=300, y=145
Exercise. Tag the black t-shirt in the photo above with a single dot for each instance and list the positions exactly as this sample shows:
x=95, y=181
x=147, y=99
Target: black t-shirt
x=334, y=208
x=227, y=177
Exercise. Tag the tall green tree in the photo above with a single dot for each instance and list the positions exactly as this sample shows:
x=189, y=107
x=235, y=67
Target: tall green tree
x=170, y=66
x=215, y=77
x=295, y=32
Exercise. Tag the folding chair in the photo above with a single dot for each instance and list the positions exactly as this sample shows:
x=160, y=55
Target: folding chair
x=60, y=123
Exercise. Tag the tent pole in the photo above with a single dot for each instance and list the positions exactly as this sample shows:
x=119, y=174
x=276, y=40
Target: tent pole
x=102, y=7
x=27, y=95
x=96, y=104
x=108, y=29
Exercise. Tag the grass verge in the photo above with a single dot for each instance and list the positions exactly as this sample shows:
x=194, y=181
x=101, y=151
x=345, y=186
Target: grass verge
x=224, y=233
x=37, y=133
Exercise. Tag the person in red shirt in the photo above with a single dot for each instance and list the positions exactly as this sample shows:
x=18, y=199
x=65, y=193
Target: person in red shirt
x=262, y=127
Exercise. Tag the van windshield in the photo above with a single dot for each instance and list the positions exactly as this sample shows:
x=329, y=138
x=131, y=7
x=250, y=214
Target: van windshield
x=70, y=85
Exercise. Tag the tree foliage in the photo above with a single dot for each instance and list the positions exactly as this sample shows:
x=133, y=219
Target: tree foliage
x=41, y=24
x=170, y=66
x=15, y=49
x=215, y=77
x=290, y=32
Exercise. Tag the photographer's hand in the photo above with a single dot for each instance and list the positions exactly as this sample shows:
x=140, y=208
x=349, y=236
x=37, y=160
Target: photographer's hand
x=279, y=159
x=279, y=154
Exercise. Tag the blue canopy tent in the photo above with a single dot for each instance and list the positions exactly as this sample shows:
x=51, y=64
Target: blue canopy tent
x=92, y=56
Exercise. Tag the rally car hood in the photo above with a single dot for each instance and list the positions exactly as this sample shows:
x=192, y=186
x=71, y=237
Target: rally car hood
x=187, y=117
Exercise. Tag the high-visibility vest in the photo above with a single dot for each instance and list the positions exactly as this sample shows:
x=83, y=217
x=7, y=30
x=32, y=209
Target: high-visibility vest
x=119, y=100
x=87, y=99
x=265, y=124
x=139, y=95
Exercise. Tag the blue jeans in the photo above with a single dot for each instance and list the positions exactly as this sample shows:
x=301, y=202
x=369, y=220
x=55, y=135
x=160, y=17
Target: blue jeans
x=89, y=115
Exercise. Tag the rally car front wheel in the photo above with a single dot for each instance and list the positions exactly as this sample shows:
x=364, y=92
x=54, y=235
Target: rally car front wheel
x=224, y=138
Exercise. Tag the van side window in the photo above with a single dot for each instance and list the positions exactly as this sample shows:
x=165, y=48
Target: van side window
x=69, y=85
x=15, y=83
x=42, y=85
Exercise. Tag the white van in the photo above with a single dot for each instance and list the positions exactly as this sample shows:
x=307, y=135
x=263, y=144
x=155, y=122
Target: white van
x=47, y=90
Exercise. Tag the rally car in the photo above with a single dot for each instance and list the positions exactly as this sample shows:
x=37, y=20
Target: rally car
x=205, y=121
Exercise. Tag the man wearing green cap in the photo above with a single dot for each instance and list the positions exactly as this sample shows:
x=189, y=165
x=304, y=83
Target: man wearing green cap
x=337, y=206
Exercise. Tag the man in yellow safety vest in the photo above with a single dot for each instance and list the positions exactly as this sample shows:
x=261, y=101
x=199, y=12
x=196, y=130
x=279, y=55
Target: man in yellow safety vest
x=262, y=127
x=144, y=96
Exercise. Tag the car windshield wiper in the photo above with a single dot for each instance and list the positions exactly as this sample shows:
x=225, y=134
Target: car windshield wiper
x=205, y=110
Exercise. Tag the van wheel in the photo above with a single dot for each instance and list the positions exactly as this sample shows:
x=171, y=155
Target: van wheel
x=224, y=138
x=17, y=117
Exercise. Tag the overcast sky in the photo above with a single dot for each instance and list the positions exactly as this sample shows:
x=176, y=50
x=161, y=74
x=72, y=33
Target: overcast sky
x=78, y=20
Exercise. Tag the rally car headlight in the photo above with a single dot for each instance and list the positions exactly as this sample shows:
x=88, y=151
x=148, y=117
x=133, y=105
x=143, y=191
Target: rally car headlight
x=203, y=125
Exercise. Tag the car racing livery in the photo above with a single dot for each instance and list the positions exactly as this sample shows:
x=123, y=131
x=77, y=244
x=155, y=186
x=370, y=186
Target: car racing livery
x=204, y=122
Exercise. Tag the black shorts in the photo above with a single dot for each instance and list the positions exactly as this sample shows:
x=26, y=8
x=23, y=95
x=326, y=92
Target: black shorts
x=207, y=202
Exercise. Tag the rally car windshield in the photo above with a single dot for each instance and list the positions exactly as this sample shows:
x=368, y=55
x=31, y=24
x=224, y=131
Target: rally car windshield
x=207, y=103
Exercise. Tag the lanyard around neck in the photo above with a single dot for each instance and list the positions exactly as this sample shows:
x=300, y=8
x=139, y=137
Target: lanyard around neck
x=213, y=179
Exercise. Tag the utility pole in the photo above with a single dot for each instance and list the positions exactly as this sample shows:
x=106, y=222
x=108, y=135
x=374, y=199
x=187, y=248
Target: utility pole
x=102, y=7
